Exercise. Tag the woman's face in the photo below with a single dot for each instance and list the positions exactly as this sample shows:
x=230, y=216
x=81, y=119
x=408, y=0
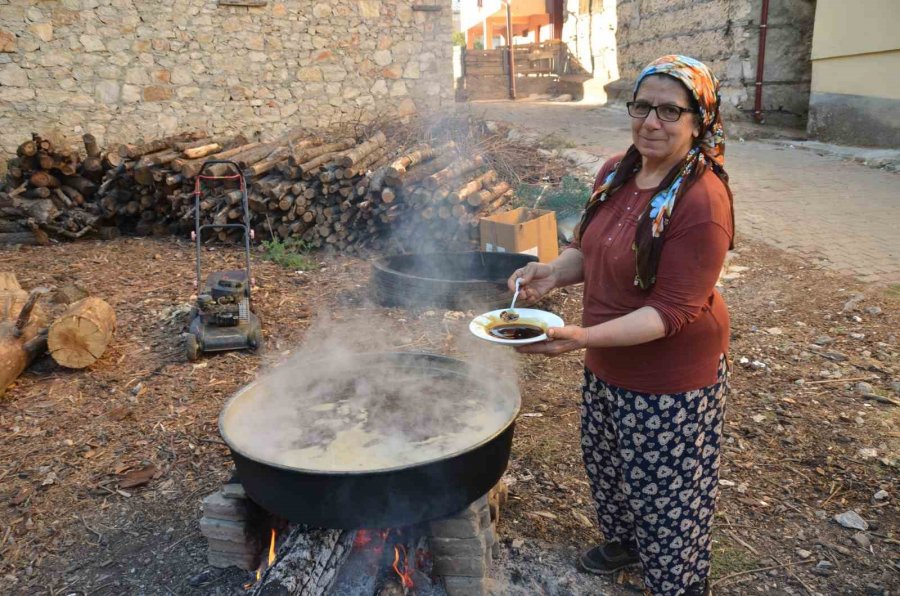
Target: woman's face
x=654, y=138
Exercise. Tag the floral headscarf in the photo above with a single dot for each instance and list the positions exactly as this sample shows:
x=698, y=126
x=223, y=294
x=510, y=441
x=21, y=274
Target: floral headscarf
x=708, y=152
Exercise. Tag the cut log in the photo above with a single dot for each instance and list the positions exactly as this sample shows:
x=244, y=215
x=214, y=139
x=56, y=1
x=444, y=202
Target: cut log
x=27, y=149
x=25, y=238
x=80, y=336
x=44, y=179
x=135, y=151
x=356, y=154
x=399, y=166
x=22, y=334
x=312, y=157
x=90, y=145
x=456, y=170
x=201, y=151
x=474, y=186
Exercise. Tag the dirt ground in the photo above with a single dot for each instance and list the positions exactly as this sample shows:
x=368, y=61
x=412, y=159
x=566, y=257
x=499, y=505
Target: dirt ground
x=803, y=441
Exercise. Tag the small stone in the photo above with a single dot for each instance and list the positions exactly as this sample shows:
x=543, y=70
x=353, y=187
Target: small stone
x=774, y=331
x=875, y=590
x=825, y=564
x=851, y=519
x=862, y=539
x=517, y=543
x=854, y=301
x=881, y=495
x=744, y=361
x=821, y=514
x=874, y=310
x=823, y=340
x=863, y=388
x=201, y=578
x=759, y=418
x=857, y=335
x=868, y=453
x=758, y=365
x=803, y=554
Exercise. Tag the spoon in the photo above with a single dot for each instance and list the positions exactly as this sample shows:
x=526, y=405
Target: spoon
x=511, y=315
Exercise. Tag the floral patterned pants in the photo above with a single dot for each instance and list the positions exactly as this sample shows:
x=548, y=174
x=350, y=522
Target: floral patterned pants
x=653, y=463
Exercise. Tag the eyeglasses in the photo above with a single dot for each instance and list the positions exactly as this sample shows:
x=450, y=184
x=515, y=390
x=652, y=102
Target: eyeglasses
x=665, y=112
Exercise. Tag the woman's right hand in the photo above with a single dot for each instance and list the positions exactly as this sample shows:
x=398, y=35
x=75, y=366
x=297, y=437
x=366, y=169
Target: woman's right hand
x=537, y=280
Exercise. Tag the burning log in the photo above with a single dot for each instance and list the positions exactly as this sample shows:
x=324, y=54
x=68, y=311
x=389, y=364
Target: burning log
x=22, y=333
x=307, y=562
x=80, y=336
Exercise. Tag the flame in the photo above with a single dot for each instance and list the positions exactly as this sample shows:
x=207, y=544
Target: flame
x=265, y=564
x=401, y=567
x=271, y=550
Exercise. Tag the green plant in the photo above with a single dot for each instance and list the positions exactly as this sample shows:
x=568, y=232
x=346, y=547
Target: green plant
x=290, y=254
x=566, y=198
x=458, y=38
x=478, y=44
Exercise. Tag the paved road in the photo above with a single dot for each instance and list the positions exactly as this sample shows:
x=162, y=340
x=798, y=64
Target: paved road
x=835, y=212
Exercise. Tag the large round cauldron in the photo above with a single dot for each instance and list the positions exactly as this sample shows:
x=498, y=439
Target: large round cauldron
x=413, y=462
x=453, y=280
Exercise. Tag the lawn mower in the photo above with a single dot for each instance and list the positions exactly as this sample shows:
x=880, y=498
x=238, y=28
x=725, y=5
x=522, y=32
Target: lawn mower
x=223, y=318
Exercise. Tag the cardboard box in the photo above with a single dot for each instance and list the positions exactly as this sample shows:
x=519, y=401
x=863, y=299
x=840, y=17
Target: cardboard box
x=522, y=230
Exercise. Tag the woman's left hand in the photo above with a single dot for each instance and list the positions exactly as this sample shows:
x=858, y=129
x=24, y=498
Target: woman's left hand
x=560, y=340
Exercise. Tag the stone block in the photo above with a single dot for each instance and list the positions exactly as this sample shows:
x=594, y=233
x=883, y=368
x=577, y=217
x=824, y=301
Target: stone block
x=7, y=42
x=219, y=506
x=459, y=547
x=246, y=547
x=13, y=75
x=92, y=43
x=107, y=92
x=223, y=560
x=369, y=9
x=382, y=57
x=234, y=490
x=472, y=586
x=157, y=93
x=221, y=529
x=456, y=528
x=466, y=566
x=43, y=31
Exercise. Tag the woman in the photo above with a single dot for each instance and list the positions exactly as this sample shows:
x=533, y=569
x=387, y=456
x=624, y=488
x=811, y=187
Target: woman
x=649, y=250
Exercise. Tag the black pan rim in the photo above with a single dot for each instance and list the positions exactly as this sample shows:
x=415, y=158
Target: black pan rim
x=347, y=473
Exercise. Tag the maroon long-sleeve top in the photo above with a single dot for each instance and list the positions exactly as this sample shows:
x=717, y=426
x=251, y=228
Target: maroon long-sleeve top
x=696, y=319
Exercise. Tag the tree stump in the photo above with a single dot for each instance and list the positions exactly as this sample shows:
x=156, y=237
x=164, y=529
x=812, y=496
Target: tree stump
x=80, y=336
x=22, y=333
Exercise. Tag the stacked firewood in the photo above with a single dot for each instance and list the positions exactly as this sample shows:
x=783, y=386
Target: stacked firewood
x=346, y=193
x=50, y=191
x=435, y=195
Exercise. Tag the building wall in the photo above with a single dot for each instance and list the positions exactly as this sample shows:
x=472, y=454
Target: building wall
x=725, y=35
x=855, y=95
x=589, y=31
x=124, y=70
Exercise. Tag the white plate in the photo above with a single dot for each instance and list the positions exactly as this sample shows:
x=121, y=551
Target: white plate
x=532, y=316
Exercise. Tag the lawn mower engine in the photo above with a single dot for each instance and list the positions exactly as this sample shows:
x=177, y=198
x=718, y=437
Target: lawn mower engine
x=224, y=302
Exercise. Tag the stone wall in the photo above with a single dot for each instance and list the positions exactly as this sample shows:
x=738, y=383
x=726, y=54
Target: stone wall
x=725, y=35
x=589, y=32
x=126, y=69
